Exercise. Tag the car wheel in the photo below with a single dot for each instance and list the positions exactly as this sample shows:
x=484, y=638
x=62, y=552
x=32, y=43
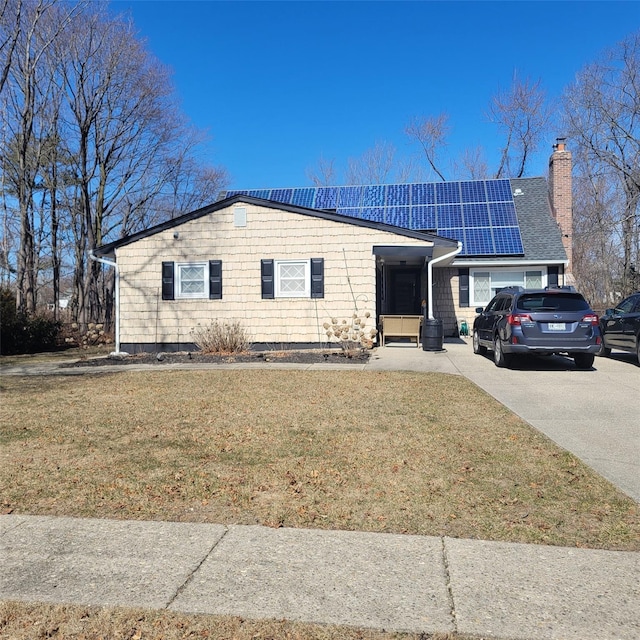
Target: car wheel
x=638, y=348
x=604, y=352
x=584, y=360
x=500, y=358
x=477, y=347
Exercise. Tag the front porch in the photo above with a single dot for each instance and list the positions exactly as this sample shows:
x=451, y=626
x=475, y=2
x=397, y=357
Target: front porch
x=408, y=285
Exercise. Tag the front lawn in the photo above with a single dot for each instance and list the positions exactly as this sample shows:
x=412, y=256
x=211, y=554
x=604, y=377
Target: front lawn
x=411, y=453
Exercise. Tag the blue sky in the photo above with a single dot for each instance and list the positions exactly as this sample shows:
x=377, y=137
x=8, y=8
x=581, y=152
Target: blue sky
x=278, y=85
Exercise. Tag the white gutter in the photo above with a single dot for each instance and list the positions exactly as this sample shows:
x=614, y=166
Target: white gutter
x=430, y=264
x=512, y=262
x=112, y=263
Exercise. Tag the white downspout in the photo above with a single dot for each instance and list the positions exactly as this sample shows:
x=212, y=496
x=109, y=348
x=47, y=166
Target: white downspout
x=112, y=263
x=430, y=264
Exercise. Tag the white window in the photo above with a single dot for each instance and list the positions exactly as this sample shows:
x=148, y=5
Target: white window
x=292, y=279
x=533, y=279
x=193, y=280
x=485, y=284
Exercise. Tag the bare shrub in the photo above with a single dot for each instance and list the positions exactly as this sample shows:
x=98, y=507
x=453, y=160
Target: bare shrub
x=221, y=337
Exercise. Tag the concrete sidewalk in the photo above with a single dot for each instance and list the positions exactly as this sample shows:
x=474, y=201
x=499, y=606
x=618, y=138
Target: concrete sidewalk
x=383, y=581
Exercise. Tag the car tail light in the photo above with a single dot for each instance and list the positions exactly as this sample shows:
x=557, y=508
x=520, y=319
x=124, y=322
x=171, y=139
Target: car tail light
x=518, y=318
x=591, y=318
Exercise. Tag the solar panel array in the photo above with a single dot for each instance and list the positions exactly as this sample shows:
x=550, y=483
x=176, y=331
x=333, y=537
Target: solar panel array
x=479, y=213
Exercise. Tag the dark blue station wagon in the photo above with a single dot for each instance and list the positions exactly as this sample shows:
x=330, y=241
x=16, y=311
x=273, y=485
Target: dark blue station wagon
x=541, y=321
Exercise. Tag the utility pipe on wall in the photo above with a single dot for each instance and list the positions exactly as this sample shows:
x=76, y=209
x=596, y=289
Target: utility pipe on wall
x=430, y=264
x=112, y=263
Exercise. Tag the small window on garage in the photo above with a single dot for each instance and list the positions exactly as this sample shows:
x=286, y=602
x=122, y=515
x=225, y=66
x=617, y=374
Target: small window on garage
x=193, y=278
x=292, y=279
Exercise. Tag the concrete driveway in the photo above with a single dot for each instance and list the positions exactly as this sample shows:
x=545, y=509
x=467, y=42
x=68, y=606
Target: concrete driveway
x=594, y=414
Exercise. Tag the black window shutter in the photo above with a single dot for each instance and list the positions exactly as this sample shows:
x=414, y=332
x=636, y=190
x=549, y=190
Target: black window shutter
x=215, y=279
x=317, y=277
x=266, y=273
x=167, y=281
x=463, y=287
x=552, y=276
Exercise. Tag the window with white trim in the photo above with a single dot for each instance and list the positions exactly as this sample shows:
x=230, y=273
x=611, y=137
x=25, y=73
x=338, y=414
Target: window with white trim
x=292, y=279
x=485, y=284
x=192, y=280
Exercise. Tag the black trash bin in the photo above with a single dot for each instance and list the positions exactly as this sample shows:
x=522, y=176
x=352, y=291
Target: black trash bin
x=432, y=334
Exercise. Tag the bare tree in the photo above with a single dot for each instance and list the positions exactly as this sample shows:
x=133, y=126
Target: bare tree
x=123, y=131
x=374, y=166
x=603, y=119
x=25, y=101
x=431, y=134
x=186, y=185
x=472, y=165
x=41, y=23
x=93, y=147
x=596, y=260
x=10, y=28
x=324, y=174
x=522, y=116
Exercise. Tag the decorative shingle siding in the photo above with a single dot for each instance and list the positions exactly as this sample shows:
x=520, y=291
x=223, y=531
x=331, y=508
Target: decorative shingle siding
x=349, y=272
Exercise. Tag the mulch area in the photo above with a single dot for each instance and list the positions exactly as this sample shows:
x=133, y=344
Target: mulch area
x=307, y=356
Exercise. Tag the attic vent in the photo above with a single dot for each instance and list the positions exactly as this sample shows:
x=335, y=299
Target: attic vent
x=518, y=192
x=240, y=217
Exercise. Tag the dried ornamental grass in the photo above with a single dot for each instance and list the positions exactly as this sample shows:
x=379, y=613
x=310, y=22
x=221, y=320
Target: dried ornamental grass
x=221, y=338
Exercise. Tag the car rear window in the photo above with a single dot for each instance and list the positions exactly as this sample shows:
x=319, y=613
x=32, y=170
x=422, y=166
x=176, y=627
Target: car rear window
x=552, y=302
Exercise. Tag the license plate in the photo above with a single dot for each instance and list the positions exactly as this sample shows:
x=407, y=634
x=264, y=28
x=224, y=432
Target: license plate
x=557, y=326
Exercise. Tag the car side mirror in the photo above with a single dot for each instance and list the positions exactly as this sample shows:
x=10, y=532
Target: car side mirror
x=479, y=309
x=609, y=312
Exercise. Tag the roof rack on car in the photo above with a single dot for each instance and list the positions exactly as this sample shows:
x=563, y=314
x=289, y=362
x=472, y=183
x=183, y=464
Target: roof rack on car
x=564, y=287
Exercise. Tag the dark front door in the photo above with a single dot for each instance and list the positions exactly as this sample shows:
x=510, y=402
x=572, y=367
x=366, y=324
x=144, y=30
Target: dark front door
x=405, y=292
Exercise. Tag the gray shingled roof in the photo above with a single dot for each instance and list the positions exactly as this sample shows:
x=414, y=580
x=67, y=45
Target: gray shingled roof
x=541, y=236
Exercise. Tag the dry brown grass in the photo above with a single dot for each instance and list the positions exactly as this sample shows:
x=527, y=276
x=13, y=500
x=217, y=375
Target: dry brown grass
x=72, y=353
x=27, y=622
x=395, y=452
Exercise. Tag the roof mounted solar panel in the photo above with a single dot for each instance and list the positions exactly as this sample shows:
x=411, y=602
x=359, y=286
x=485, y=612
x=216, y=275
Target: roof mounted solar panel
x=398, y=194
x=302, y=197
x=373, y=196
x=398, y=217
x=326, y=198
x=448, y=193
x=479, y=213
x=473, y=191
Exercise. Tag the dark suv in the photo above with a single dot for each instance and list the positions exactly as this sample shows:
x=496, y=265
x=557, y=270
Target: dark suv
x=620, y=327
x=537, y=321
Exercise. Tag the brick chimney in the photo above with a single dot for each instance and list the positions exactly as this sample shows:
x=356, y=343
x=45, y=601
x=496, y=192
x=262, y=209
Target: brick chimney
x=561, y=198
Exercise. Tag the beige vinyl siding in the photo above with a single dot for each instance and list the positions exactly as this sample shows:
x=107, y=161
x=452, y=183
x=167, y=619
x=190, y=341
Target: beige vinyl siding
x=349, y=271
